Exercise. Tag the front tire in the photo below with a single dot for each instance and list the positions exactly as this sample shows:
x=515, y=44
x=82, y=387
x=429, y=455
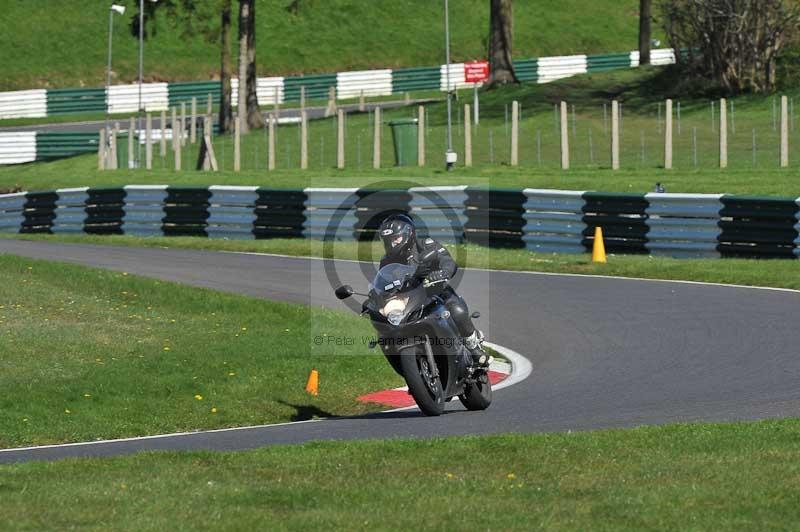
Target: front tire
x=478, y=395
x=426, y=390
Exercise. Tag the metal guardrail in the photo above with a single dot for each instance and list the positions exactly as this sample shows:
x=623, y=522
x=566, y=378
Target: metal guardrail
x=546, y=221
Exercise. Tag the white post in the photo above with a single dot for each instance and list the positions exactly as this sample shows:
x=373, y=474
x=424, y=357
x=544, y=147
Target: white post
x=340, y=140
x=784, y=132
x=376, y=146
x=302, y=98
x=515, y=135
x=112, y=150
x=668, y=137
x=362, y=106
x=615, y=135
x=421, y=136
x=174, y=126
x=183, y=123
x=723, y=134
x=176, y=145
x=564, y=138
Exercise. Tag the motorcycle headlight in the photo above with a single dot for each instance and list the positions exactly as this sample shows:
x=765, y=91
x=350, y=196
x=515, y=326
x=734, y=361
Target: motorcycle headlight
x=394, y=309
x=395, y=317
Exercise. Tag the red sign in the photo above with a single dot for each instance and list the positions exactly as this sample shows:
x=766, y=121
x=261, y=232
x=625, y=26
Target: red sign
x=476, y=71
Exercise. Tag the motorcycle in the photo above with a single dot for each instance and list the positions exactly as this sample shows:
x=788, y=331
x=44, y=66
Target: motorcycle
x=420, y=340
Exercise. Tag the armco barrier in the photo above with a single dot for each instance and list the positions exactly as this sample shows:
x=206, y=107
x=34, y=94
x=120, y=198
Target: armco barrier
x=17, y=147
x=546, y=221
x=160, y=96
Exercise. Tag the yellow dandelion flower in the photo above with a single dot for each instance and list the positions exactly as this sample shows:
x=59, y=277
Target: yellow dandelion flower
x=87, y=395
x=244, y=328
x=511, y=476
x=24, y=420
x=214, y=410
x=198, y=397
x=67, y=411
x=166, y=348
x=231, y=374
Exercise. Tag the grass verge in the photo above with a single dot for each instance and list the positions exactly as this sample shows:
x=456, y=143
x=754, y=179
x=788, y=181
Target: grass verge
x=752, y=272
x=91, y=354
x=679, y=477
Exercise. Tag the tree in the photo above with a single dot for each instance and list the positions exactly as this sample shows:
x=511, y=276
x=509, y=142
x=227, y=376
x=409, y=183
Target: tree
x=501, y=66
x=734, y=43
x=248, y=98
x=645, y=10
x=226, y=67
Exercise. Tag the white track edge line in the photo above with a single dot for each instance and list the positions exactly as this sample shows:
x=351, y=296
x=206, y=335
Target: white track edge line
x=521, y=368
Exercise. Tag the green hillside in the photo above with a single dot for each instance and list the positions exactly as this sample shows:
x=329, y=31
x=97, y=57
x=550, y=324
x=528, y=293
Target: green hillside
x=63, y=43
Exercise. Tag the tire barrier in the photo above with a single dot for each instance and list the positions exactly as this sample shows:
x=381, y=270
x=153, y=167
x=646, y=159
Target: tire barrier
x=546, y=221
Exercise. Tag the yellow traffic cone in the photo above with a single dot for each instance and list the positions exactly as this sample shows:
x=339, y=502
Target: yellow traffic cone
x=599, y=248
x=312, y=386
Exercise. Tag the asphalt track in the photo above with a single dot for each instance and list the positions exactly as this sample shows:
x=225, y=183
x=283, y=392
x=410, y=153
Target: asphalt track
x=606, y=352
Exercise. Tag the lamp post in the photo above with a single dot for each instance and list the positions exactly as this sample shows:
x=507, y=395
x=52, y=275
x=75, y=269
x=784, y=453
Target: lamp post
x=113, y=9
x=450, y=156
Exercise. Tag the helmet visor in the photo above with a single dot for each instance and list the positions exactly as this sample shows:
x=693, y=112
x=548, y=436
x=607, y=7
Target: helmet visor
x=395, y=239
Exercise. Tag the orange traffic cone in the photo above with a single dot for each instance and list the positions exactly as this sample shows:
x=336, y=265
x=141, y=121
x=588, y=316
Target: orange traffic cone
x=312, y=386
x=599, y=248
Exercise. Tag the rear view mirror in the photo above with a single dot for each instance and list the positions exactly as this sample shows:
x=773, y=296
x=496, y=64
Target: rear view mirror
x=343, y=292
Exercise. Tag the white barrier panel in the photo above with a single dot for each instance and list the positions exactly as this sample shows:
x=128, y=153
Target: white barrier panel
x=658, y=57
x=17, y=147
x=554, y=221
x=683, y=225
x=11, y=212
x=70, y=211
x=144, y=209
x=330, y=213
x=231, y=212
x=125, y=98
x=439, y=212
x=265, y=91
x=23, y=104
x=456, y=77
x=370, y=82
x=553, y=68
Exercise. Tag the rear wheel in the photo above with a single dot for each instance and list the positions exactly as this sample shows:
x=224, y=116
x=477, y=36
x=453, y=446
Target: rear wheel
x=478, y=395
x=424, y=387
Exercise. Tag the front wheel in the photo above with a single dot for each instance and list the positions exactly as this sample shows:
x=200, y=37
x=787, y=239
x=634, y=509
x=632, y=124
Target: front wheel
x=424, y=387
x=478, y=395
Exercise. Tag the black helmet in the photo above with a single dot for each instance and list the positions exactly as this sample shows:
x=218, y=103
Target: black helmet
x=399, y=236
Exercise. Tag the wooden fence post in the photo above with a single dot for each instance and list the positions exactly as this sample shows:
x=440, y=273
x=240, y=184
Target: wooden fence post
x=162, y=144
x=668, y=137
x=515, y=134
x=148, y=142
x=303, y=140
x=421, y=136
x=271, y=163
x=193, y=127
x=723, y=134
x=101, y=150
x=176, y=146
x=564, y=138
x=183, y=124
x=237, y=142
x=615, y=135
x=376, y=144
x=468, y=137
x=340, y=140
x=784, y=132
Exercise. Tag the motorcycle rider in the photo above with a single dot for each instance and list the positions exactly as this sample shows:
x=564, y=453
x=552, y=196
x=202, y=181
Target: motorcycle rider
x=436, y=266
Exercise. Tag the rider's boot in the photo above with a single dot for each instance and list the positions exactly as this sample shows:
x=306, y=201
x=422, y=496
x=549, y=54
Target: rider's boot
x=474, y=343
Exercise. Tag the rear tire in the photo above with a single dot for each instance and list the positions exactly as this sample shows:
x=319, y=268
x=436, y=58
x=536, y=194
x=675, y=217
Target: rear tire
x=428, y=395
x=477, y=396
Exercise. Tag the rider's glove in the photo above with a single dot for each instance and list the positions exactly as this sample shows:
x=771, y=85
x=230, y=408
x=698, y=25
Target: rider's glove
x=436, y=277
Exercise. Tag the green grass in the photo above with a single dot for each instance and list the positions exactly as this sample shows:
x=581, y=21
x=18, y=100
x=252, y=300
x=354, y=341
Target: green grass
x=70, y=49
x=750, y=272
x=98, y=354
x=681, y=477
x=539, y=148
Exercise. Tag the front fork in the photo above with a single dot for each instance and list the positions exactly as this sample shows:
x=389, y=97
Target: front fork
x=429, y=356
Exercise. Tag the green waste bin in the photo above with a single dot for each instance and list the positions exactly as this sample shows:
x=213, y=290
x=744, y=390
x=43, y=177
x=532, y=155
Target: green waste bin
x=404, y=135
